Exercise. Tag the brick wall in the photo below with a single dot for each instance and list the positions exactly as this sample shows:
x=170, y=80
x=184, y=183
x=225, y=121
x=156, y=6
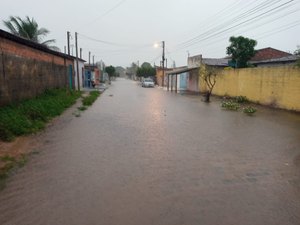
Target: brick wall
x=26, y=72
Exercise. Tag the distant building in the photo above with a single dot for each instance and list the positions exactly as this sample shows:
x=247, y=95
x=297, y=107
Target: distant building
x=272, y=57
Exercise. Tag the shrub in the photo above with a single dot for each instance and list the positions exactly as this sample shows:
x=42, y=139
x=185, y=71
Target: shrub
x=230, y=105
x=249, y=110
x=241, y=99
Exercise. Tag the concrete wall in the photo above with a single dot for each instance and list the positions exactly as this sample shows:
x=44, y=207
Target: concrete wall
x=193, y=81
x=194, y=61
x=159, y=75
x=26, y=72
x=276, y=86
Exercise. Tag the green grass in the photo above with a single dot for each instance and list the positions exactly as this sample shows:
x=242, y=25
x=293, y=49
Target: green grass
x=249, y=110
x=89, y=100
x=10, y=164
x=32, y=115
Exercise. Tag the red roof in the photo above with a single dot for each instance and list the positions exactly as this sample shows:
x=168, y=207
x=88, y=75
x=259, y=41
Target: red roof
x=269, y=53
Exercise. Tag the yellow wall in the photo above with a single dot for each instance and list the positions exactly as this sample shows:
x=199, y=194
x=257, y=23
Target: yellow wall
x=277, y=86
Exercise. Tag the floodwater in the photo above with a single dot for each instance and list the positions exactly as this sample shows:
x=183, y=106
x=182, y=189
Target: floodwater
x=142, y=156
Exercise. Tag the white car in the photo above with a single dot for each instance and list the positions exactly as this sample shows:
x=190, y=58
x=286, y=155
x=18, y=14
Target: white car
x=147, y=83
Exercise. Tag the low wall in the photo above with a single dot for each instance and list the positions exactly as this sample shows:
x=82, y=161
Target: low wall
x=275, y=86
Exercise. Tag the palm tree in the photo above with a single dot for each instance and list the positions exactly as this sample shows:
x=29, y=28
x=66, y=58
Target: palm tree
x=28, y=28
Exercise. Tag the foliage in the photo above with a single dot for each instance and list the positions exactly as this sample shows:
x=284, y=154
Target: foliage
x=110, y=70
x=249, y=110
x=241, y=99
x=241, y=50
x=297, y=51
x=89, y=100
x=31, y=115
x=208, y=74
x=29, y=29
x=231, y=105
x=298, y=63
x=9, y=164
x=130, y=71
x=146, y=65
x=146, y=70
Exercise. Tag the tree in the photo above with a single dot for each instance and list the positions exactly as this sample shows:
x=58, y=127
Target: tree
x=131, y=71
x=241, y=50
x=297, y=51
x=29, y=29
x=146, y=70
x=208, y=74
x=110, y=70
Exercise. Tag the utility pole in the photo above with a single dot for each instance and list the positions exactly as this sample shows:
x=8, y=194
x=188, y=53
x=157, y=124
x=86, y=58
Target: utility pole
x=93, y=60
x=89, y=58
x=77, y=64
x=68, y=42
x=81, y=53
x=163, y=63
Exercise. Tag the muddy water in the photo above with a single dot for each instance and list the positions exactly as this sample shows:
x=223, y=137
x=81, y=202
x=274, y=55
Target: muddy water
x=144, y=156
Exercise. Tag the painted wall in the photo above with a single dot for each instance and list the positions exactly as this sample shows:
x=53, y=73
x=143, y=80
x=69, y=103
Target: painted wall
x=182, y=81
x=81, y=74
x=275, y=86
x=26, y=72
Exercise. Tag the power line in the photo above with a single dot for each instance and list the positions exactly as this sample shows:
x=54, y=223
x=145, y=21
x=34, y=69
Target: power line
x=215, y=31
x=115, y=44
x=272, y=32
x=214, y=34
x=106, y=13
x=254, y=27
x=102, y=41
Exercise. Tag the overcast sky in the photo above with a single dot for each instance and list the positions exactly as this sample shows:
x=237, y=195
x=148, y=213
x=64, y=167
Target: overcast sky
x=120, y=32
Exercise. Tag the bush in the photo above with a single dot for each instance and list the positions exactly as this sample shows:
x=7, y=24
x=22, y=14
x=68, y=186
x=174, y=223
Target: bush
x=31, y=115
x=230, y=105
x=241, y=99
x=249, y=110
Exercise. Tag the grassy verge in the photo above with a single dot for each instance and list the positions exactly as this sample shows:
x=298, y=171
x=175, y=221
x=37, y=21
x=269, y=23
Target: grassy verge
x=86, y=102
x=8, y=164
x=32, y=115
x=89, y=100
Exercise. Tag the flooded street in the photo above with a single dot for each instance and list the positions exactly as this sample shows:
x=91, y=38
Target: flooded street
x=144, y=156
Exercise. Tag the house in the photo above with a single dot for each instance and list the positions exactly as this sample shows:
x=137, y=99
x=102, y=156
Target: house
x=27, y=69
x=182, y=79
x=92, y=75
x=269, y=53
x=187, y=78
x=273, y=57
